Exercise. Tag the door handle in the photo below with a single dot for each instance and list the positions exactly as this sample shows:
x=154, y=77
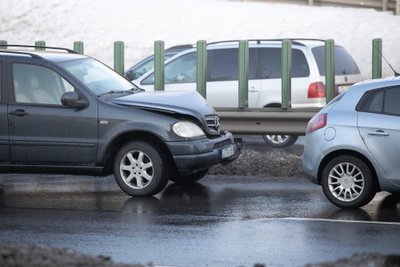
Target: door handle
x=19, y=113
x=253, y=89
x=378, y=133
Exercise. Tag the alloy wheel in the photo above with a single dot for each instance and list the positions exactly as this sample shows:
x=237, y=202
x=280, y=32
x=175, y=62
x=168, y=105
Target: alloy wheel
x=346, y=182
x=136, y=169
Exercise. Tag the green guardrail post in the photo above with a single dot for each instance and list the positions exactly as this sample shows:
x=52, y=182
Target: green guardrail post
x=286, y=74
x=119, y=57
x=159, y=84
x=376, y=58
x=79, y=47
x=40, y=45
x=329, y=70
x=3, y=44
x=243, y=74
x=201, y=77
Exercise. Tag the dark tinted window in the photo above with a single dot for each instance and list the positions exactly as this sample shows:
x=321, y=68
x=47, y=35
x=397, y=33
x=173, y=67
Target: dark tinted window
x=375, y=102
x=1, y=77
x=223, y=64
x=384, y=101
x=344, y=63
x=392, y=101
x=271, y=63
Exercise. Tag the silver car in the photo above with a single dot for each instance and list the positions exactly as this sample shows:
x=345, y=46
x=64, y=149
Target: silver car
x=352, y=145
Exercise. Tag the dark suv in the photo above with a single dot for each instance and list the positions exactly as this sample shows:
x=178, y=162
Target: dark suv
x=62, y=112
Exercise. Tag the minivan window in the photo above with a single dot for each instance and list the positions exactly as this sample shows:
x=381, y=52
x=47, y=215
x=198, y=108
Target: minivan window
x=344, y=63
x=180, y=70
x=271, y=63
x=223, y=64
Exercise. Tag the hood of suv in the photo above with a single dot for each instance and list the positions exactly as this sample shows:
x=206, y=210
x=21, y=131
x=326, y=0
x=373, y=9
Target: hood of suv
x=188, y=103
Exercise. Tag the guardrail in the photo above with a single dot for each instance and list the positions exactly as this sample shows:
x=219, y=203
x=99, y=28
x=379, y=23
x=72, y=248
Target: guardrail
x=244, y=120
x=384, y=5
x=262, y=121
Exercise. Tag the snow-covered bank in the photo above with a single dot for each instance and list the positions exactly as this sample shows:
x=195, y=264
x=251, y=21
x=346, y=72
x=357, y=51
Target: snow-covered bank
x=139, y=23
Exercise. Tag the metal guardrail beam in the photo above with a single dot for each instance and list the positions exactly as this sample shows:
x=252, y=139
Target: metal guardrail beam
x=384, y=5
x=265, y=120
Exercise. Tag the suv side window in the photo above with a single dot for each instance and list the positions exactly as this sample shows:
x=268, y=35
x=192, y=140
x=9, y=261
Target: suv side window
x=181, y=70
x=271, y=63
x=38, y=85
x=384, y=101
x=223, y=64
x=1, y=78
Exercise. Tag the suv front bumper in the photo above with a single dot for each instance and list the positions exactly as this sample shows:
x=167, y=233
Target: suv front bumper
x=196, y=155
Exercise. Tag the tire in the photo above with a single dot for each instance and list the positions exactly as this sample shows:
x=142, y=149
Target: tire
x=280, y=140
x=140, y=169
x=189, y=178
x=347, y=182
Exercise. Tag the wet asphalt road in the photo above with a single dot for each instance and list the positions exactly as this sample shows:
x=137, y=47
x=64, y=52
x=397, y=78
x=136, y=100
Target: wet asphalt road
x=222, y=221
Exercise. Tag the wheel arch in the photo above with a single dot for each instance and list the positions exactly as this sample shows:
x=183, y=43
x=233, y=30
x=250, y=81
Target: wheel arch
x=115, y=145
x=345, y=152
x=273, y=105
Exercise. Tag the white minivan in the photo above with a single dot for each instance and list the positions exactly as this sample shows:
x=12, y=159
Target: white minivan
x=308, y=75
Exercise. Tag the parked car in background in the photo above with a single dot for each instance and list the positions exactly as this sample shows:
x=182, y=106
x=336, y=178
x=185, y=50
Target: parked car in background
x=147, y=63
x=352, y=145
x=62, y=112
x=308, y=75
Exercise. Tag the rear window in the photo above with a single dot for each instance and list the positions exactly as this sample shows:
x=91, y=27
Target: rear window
x=344, y=63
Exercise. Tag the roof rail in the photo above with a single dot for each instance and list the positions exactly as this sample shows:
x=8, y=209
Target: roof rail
x=19, y=53
x=267, y=40
x=179, y=47
x=43, y=47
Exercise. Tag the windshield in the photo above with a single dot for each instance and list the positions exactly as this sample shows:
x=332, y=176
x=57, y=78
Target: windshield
x=99, y=78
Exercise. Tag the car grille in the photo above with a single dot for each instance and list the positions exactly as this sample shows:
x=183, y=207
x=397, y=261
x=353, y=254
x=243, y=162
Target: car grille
x=213, y=124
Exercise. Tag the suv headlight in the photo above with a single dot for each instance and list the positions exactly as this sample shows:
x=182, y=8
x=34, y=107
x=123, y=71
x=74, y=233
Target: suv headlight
x=187, y=129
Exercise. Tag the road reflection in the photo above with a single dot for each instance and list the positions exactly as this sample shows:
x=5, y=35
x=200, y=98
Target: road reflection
x=211, y=201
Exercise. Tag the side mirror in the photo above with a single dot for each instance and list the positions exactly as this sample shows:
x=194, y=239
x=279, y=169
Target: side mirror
x=71, y=99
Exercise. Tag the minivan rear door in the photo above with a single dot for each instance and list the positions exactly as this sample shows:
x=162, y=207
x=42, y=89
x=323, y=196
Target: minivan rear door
x=223, y=75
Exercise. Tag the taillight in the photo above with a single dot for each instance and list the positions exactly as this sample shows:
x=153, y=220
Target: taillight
x=316, y=90
x=317, y=122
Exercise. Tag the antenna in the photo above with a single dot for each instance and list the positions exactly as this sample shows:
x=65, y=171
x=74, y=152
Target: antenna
x=396, y=74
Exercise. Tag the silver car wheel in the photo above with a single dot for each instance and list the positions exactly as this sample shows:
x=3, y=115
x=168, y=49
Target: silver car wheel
x=277, y=139
x=346, y=182
x=136, y=169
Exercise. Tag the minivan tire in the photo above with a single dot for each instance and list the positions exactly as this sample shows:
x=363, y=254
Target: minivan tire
x=279, y=141
x=140, y=169
x=348, y=182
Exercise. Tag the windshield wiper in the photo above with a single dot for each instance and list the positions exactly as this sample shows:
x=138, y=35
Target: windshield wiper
x=130, y=91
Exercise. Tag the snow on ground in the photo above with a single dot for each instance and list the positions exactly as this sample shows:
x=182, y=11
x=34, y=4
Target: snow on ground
x=139, y=23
